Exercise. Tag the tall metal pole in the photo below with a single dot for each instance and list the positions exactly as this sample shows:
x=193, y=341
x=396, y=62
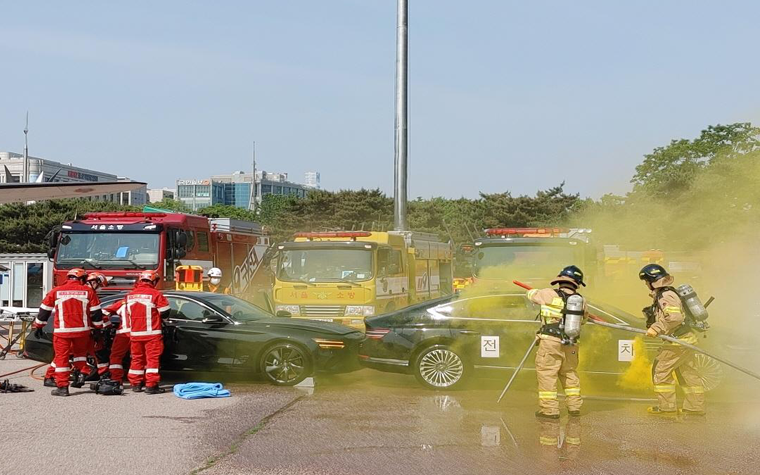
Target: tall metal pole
x=401, y=142
x=25, y=168
x=253, y=203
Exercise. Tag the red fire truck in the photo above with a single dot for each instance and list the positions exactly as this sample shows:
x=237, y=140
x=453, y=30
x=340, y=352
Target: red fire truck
x=122, y=244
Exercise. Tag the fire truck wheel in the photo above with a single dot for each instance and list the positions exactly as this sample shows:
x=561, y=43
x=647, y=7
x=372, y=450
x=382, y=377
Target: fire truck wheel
x=286, y=364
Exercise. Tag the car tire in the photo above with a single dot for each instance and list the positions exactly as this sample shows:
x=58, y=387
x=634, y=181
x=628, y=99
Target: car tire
x=285, y=364
x=440, y=367
x=710, y=371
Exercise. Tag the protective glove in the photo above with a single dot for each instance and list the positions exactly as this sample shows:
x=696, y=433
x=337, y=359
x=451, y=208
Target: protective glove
x=38, y=332
x=652, y=333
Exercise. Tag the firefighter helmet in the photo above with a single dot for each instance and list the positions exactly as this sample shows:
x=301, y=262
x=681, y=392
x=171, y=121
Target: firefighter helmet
x=149, y=276
x=652, y=273
x=570, y=274
x=76, y=273
x=97, y=278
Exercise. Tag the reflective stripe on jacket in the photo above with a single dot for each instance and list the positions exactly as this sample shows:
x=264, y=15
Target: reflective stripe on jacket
x=144, y=306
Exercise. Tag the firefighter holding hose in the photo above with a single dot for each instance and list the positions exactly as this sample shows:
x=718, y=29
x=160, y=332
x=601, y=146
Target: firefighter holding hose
x=666, y=317
x=563, y=310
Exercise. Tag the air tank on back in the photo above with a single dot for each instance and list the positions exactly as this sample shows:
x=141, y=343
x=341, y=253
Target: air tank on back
x=573, y=316
x=692, y=303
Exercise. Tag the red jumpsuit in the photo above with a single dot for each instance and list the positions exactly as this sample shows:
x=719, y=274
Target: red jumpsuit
x=77, y=311
x=120, y=345
x=145, y=308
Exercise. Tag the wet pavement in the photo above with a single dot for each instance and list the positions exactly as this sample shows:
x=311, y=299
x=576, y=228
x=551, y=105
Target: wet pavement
x=373, y=423
x=368, y=423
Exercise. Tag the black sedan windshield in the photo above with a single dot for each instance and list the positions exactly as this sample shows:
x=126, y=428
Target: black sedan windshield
x=239, y=310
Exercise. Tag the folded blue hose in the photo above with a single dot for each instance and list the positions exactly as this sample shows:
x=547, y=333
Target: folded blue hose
x=200, y=390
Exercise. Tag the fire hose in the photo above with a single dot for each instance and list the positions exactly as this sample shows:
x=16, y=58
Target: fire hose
x=599, y=321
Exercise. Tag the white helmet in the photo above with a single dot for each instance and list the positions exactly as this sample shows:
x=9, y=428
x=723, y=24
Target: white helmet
x=215, y=272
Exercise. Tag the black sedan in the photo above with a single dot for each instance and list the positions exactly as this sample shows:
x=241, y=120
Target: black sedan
x=213, y=332
x=446, y=341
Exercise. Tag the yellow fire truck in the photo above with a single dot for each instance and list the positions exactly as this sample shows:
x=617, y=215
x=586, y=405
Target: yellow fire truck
x=343, y=277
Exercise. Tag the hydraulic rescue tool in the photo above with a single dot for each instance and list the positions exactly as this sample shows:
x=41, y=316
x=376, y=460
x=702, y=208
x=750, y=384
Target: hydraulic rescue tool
x=598, y=321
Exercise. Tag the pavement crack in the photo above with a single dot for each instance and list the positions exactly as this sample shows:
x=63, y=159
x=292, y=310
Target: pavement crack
x=213, y=460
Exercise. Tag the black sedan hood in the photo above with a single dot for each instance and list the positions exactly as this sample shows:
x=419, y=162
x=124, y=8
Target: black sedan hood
x=315, y=326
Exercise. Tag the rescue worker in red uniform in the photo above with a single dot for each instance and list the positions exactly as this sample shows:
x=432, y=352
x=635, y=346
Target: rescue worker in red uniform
x=96, y=280
x=673, y=362
x=77, y=312
x=146, y=307
x=121, y=341
x=557, y=355
x=97, y=348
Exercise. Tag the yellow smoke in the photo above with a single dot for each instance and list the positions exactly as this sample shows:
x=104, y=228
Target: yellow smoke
x=638, y=377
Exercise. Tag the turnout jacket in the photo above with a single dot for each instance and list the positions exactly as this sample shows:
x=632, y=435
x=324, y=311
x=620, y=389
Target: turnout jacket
x=146, y=306
x=77, y=310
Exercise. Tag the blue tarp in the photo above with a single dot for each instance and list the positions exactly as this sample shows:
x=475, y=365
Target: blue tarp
x=200, y=390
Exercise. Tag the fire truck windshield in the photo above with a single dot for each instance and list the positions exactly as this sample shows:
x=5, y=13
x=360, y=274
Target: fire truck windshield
x=325, y=265
x=540, y=259
x=108, y=250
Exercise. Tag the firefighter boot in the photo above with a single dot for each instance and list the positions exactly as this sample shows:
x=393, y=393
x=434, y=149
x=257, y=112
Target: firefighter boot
x=654, y=410
x=78, y=379
x=50, y=383
x=543, y=415
x=139, y=388
x=154, y=390
x=64, y=391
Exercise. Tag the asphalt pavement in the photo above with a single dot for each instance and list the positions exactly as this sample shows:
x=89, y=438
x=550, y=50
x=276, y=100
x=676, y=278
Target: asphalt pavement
x=368, y=423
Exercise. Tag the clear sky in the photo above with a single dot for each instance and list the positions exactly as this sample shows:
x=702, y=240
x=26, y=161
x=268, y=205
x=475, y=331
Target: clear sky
x=505, y=95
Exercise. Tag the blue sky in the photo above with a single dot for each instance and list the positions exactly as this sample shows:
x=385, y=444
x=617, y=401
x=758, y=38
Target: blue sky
x=505, y=95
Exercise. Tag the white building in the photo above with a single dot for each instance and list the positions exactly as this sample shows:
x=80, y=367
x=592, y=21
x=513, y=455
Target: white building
x=312, y=180
x=43, y=170
x=156, y=195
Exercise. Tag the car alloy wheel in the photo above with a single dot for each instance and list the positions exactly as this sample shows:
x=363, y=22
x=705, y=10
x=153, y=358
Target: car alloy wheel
x=710, y=371
x=440, y=367
x=285, y=364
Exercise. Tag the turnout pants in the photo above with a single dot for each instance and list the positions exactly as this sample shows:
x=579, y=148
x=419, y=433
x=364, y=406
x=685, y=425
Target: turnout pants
x=63, y=347
x=676, y=362
x=555, y=361
x=119, y=349
x=145, y=358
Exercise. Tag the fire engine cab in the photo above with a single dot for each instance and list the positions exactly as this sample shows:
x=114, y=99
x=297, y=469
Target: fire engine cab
x=123, y=244
x=533, y=255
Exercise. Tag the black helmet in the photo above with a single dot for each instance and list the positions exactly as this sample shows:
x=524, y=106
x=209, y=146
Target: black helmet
x=652, y=273
x=570, y=272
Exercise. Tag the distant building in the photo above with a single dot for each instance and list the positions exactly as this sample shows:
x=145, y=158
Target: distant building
x=312, y=180
x=160, y=194
x=138, y=197
x=235, y=189
x=195, y=194
x=12, y=167
x=43, y=171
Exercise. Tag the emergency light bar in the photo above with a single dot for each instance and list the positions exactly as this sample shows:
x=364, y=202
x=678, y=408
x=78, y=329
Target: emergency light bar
x=338, y=234
x=122, y=214
x=522, y=231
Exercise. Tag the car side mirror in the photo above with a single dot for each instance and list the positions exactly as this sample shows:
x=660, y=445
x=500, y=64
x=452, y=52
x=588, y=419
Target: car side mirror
x=212, y=319
x=283, y=314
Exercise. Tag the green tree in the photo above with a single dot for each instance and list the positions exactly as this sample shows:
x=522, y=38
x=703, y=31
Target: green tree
x=669, y=171
x=227, y=211
x=171, y=205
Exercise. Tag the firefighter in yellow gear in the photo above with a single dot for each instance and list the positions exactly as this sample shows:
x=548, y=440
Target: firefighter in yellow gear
x=673, y=362
x=214, y=284
x=557, y=355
